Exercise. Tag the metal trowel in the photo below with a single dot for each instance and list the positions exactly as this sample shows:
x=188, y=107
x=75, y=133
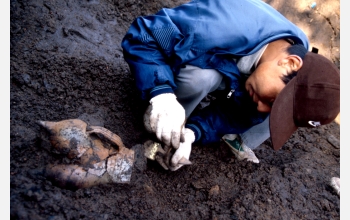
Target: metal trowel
x=155, y=151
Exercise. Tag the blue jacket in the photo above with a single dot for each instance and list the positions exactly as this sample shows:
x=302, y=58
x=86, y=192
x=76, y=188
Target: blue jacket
x=203, y=33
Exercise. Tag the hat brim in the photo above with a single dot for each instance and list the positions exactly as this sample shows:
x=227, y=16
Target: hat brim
x=282, y=124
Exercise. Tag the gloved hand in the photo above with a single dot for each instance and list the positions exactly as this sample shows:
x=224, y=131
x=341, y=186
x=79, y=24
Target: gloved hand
x=165, y=117
x=182, y=154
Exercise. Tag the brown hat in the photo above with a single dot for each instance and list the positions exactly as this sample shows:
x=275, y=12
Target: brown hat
x=310, y=99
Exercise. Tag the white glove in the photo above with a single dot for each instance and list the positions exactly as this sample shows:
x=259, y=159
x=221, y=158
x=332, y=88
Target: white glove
x=165, y=117
x=182, y=155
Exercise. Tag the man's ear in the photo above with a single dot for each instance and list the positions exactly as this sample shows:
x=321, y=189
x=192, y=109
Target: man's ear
x=291, y=62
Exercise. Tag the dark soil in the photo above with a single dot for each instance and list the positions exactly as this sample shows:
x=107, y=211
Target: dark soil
x=67, y=62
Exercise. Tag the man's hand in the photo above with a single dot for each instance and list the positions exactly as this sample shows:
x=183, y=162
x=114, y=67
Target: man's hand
x=182, y=154
x=165, y=117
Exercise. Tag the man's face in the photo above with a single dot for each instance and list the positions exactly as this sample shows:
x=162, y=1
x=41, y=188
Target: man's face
x=265, y=83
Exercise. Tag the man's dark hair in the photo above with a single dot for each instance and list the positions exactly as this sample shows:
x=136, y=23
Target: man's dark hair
x=295, y=49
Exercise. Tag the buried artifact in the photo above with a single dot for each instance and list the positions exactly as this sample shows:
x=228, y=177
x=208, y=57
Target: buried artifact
x=91, y=150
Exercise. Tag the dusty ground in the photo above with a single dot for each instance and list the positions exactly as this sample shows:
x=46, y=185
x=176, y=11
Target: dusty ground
x=66, y=62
